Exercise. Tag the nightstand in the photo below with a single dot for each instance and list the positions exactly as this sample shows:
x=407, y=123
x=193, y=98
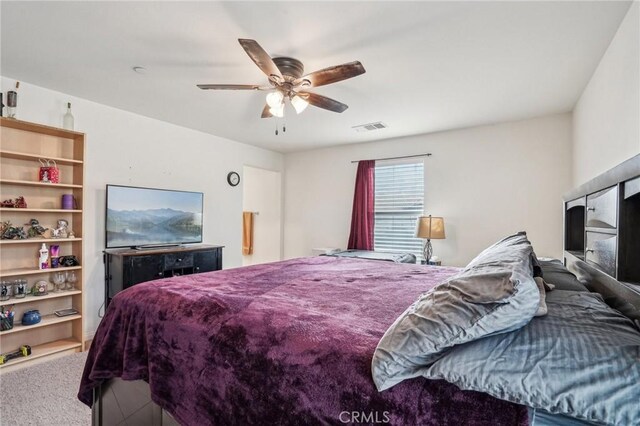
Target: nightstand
x=432, y=263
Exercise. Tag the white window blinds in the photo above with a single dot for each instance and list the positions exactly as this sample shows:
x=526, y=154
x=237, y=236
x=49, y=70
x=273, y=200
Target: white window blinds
x=399, y=201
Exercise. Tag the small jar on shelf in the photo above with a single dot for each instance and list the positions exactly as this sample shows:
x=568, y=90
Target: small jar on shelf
x=20, y=288
x=5, y=290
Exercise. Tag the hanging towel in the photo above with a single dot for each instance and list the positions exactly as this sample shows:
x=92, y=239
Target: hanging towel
x=247, y=233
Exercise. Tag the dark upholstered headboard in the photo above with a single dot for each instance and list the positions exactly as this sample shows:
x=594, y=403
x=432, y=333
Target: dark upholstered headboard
x=602, y=235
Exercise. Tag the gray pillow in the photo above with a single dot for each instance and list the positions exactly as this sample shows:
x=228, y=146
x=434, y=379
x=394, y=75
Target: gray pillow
x=495, y=293
x=581, y=360
x=557, y=274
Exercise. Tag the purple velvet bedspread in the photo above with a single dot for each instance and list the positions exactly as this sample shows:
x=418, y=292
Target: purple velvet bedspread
x=281, y=343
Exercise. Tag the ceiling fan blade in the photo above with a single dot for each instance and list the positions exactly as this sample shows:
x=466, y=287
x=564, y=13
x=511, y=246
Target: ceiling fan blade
x=333, y=74
x=265, y=112
x=323, y=102
x=229, y=87
x=261, y=58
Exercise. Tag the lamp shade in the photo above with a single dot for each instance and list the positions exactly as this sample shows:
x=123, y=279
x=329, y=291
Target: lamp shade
x=299, y=103
x=275, y=99
x=277, y=111
x=430, y=227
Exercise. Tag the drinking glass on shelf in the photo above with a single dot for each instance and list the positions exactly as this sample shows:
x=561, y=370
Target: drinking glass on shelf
x=58, y=281
x=71, y=280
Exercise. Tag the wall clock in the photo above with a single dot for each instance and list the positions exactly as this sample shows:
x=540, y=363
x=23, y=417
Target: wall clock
x=233, y=178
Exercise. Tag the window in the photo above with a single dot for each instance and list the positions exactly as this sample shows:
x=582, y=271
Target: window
x=399, y=201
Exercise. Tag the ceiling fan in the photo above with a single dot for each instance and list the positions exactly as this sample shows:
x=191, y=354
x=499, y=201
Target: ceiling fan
x=286, y=81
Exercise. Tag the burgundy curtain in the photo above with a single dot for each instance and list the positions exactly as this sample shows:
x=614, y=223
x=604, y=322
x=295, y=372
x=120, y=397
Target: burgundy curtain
x=361, y=236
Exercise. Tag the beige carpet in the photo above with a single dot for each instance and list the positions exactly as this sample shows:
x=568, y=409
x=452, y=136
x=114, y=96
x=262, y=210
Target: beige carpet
x=44, y=394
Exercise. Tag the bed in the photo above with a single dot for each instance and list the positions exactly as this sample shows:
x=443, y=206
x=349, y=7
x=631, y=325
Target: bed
x=301, y=342
x=282, y=343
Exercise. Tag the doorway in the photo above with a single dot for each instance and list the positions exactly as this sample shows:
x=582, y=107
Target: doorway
x=262, y=195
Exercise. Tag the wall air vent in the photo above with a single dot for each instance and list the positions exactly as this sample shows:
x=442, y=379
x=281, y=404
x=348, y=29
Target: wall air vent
x=370, y=127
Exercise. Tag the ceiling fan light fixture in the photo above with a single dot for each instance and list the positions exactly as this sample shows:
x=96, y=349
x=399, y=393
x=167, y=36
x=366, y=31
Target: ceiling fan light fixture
x=299, y=103
x=275, y=99
x=277, y=111
x=286, y=80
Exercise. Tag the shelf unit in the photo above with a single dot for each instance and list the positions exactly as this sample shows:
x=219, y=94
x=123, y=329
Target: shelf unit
x=22, y=144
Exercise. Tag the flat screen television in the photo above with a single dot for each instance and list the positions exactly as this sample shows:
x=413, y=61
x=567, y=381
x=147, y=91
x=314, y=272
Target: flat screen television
x=152, y=217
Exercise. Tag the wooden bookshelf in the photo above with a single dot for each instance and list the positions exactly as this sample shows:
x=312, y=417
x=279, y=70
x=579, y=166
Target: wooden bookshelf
x=22, y=144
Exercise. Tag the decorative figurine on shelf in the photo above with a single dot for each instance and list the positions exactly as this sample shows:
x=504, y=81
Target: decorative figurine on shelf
x=10, y=232
x=36, y=229
x=62, y=231
x=19, y=203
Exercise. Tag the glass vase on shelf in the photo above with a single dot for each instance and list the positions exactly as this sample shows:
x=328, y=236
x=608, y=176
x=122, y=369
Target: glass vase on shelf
x=67, y=121
x=71, y=280
x=59, y=280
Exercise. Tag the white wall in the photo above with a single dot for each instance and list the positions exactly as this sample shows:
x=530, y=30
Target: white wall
x=262, y=193
x=486, y=181
x=129, y=149
x=606, y=118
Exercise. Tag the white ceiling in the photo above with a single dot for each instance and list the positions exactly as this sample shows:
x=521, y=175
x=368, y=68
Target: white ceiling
x=431, y=66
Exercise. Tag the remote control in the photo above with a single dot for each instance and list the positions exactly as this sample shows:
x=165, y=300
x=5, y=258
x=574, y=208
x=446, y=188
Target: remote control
x=65, y=312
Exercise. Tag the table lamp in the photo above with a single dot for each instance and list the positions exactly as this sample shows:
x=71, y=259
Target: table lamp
x=429, y=228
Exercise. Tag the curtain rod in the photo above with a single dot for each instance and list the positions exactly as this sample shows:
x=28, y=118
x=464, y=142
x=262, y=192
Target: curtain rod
x=396, y=158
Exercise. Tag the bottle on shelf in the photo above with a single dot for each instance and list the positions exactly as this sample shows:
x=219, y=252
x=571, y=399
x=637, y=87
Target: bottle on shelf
x=67, y=121
x=12, y=103
x=43, y=260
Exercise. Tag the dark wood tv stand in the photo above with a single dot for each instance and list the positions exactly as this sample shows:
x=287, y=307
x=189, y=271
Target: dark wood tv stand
x=127, y=267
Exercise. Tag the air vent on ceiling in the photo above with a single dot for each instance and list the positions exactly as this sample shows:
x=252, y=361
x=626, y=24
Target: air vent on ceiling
x=370, y=127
